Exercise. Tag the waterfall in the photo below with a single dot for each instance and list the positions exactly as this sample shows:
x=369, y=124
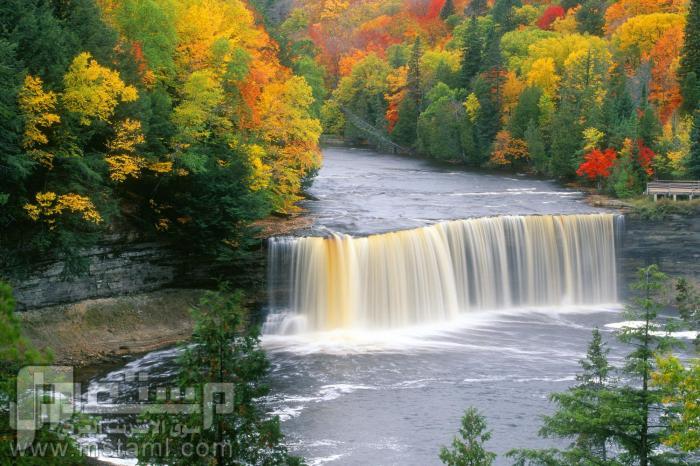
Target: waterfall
x=434, y=273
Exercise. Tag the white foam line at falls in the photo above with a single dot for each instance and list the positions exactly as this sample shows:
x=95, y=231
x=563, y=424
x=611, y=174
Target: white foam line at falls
x=437, y=336
x=437, y=273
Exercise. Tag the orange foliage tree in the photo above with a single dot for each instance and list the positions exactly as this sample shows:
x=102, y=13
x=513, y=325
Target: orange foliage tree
x=664, y=90
x=508, y=151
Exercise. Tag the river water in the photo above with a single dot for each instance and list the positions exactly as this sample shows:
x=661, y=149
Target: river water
x=361, y=192
x=393, y=395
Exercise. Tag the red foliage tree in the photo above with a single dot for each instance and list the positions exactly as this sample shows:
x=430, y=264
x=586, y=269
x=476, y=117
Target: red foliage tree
x=434, y=8
x=645, y=157
x=550, y=15
x=597, y=164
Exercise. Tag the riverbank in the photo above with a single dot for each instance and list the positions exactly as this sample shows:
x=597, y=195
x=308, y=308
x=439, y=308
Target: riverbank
x=98, y=331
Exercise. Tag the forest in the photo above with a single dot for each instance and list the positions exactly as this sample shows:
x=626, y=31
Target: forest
x=189, y=123
x=136, y=115
x=599, y=91
x=171, y=119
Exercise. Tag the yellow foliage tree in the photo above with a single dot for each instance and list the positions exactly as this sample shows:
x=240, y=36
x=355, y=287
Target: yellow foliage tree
x=49, y=206
x=567, y=24
x=92, y=91
x=213, y=28
x=260, y=171
x=559, y=47
x=292, y=135
x=543, y=74
x=472, y=106
x=196, y=116
x=37, y=107
x=638, y=35
x=122, y=158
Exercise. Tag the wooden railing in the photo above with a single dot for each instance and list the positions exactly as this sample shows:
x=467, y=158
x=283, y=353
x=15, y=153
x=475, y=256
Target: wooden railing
x=673, y=189
x=374, y=135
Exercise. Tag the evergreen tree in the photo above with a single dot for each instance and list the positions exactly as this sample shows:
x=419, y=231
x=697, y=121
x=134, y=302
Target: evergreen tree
x=471, y=58
x=476, y=8
x=581, y=415
x=503, y=13
x=526, y=112
x=224, y=350
x=492, y=54
x=448, y=9
x=413, y=78
x=642, y=401
x=468, y=449
x=690, y=90
x=10, y=76
x=405, y=129
x=618, y=111
x=690, y=56
x=536, y=147
x=590, y=18
x=488, y=122
x=693, y=161
x=689, y=70
x=688, y=303
x=612, y=423
x=649, y=128
x=566, y=142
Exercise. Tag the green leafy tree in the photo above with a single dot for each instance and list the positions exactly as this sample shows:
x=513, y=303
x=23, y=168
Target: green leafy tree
x=441, y=125
x=680, y=386
x=224, y=349
x=150, y=25
x=315, y=76
x=468, y=449
x=362, y=92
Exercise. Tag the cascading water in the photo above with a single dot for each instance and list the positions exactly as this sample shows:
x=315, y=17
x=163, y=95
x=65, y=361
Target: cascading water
x=434, y=273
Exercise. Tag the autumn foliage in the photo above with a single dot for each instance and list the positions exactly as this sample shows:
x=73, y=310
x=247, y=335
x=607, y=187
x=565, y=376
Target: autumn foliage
x=550, y=15
x=597, y=164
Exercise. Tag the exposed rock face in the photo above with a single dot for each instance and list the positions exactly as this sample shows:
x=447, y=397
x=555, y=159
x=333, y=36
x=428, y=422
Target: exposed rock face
x=114, y=268
x=123, y=267
x=673, y=244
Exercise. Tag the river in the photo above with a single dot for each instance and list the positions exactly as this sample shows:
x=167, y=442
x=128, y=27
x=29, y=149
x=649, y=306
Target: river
x=372, y=391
